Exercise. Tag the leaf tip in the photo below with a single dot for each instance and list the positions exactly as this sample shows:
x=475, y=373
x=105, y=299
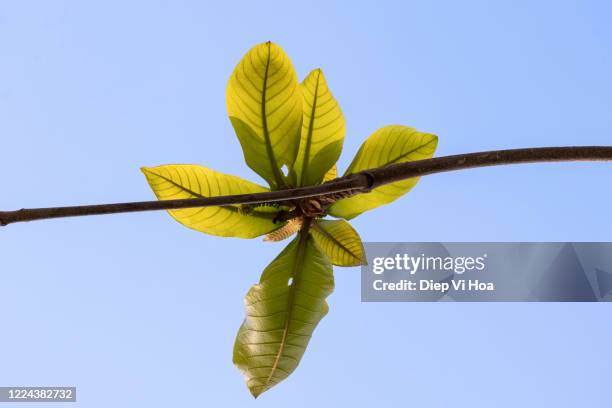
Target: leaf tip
x=269, y=44
x=148, y=172
x=257, y=390
x=316, y=74
x=434, y=139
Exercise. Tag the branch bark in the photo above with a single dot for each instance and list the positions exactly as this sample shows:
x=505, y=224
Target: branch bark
x=357, y=183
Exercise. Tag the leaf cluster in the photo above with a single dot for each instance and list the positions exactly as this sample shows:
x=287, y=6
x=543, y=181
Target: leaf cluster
x=291, y=135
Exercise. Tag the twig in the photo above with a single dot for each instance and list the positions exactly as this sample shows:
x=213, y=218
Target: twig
x=356, y=183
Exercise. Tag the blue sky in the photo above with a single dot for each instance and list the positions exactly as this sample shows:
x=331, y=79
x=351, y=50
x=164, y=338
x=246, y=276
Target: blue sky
x=136, y=310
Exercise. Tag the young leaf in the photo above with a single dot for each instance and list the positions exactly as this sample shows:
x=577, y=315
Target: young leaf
x=265, y=107
x=388, y=145
x=177, y=181
x=282, y=312
x=323, y=129
x=340, y=242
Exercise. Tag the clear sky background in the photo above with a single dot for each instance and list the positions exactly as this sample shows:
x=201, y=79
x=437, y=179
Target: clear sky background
x=136, y=310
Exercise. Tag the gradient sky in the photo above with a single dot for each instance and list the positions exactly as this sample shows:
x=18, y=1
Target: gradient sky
x=136, y=310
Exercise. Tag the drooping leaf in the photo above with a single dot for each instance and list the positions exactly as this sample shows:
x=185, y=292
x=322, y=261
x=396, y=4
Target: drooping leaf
x=331, y=174
x=264, y=104
x=282, y=312
x=178, y=181
x=388, y=145
x=323, y=129
x=340, y=242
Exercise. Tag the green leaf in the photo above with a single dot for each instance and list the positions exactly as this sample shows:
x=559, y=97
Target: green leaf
x=340, y=242
x=264, y=104
x=282, y=312
x=388, y=145
x=178, y=181
x=323, y=129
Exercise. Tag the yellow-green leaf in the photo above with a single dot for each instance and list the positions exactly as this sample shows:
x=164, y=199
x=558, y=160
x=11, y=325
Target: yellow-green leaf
x=340, y=242
x=282, y=312
x=331, y=174
x=323, y=129
x=388, y=145
x=264, y=104
x=178, y=181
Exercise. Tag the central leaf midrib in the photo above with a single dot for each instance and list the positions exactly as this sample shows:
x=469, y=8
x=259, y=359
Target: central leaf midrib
x=401, y=156
x=296, y=276
x=331, y=237
x=264, y=122
x=310, y=130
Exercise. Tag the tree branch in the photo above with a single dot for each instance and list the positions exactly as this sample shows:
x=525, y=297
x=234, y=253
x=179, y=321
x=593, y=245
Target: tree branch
x=357, y=183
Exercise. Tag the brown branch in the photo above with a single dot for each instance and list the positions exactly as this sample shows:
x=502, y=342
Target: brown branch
x=355, y=183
